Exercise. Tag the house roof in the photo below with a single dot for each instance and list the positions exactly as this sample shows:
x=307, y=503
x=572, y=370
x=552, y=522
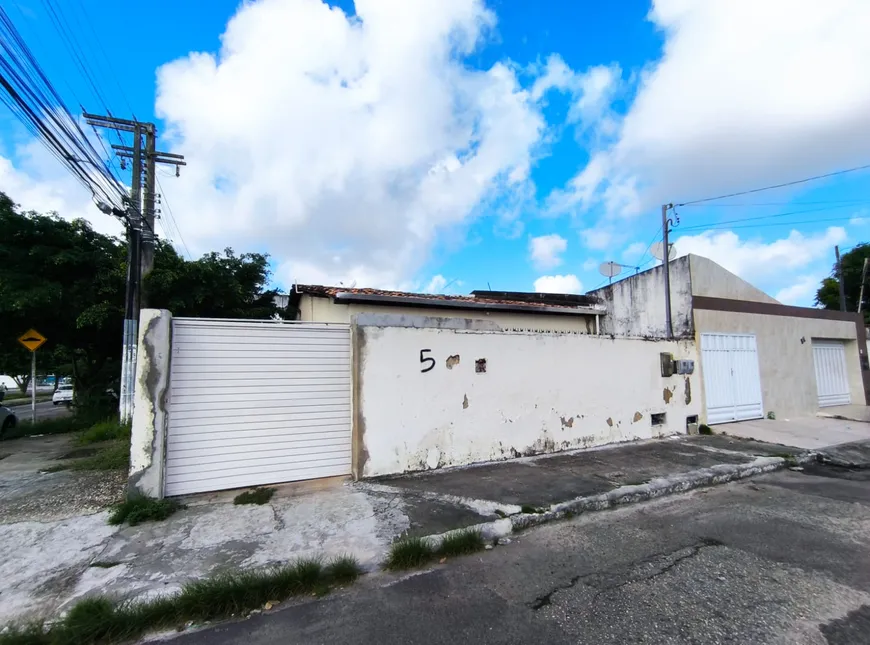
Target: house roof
x=500, y=301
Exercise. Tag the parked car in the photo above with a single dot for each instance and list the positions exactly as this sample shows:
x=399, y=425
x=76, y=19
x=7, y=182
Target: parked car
x=8, y=420
x=63, y=394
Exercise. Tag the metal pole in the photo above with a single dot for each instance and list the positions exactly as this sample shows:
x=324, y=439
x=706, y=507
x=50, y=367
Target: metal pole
x=33, y=387
x=669, y=330
x=148, y=212
x=863, y=280
x=131, y=314
x=840, y=279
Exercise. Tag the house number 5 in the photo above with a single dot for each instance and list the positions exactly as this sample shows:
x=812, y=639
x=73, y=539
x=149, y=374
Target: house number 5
x=428, y=361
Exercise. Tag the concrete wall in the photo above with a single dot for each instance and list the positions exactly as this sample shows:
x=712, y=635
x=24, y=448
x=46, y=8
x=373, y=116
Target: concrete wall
x=314, y=309
x=710, y=279
x=636, y=305
x=150, y=404
x=786, y=365
x=539, y=393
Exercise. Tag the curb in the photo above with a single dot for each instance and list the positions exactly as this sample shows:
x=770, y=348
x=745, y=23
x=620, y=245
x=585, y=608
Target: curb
x=662, y=487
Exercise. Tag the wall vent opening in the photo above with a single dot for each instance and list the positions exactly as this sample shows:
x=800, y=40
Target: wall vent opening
x=658, y=418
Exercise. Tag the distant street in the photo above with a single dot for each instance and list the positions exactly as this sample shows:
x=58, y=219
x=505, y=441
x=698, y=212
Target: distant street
x=783, y=558
x=44, y=410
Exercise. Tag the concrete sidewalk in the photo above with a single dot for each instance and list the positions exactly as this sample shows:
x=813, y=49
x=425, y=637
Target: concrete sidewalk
x=808, y=433
x=47, y=564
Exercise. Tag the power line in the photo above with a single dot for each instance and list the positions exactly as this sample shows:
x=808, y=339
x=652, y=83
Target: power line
x=172, y=219
x=729, y=228
x=810, y=203
x=763, y=217
x=783, y=185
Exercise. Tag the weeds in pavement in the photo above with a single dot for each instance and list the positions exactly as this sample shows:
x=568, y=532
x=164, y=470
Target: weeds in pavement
x=408, y=553
x=100, y=620
x=138, y=509
x=115, y=456
x=411, y=552
x=528, y=508
x=104, y=564
x=343, y=570
x=705, y=429
x=105, y=431
x=257, y=495
x=462, y=543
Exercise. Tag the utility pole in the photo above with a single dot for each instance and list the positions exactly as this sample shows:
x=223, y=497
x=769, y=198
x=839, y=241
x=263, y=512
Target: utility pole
x=666, y=254
x=863, y=280
x=840, y=279
x=140, y=235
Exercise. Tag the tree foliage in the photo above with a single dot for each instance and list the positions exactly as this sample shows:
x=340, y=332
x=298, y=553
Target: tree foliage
x=828, y=294
x=68, y=282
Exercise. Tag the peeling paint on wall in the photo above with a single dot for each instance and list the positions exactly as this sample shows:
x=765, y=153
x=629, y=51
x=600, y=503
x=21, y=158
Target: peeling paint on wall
x=567, y=423
x=465, y=402
x=667, y=395
x=452, y=360
x=610, y=421
x=688, y=390
x=637, y=417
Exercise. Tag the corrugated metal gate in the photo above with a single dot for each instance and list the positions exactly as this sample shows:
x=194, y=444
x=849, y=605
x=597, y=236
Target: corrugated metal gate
x=732, y=386
x=831, y=379
x=257, y=403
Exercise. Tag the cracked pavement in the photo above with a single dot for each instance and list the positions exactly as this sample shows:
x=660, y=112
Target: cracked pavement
x=781, y=559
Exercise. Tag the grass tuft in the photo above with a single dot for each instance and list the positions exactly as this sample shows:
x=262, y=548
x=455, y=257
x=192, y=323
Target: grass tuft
x=104, y=564
x=108, y=430
x=60, y=425
x=408, y=553
x=100, y=621
x=138, y=509
x=257, y=495
x=529, y=509
x=462, y=543
x=705, y=429
x=343, y=569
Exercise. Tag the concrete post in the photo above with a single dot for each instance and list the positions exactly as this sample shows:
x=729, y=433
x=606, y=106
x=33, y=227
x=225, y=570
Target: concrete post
x=151, y=404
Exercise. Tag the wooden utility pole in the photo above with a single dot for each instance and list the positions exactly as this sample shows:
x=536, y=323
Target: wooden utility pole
x=141, y=238
x=840, y=279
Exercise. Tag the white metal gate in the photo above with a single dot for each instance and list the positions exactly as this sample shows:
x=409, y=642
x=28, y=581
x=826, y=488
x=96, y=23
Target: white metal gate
x=831, y=380
x=732, y=385
x=257, y=403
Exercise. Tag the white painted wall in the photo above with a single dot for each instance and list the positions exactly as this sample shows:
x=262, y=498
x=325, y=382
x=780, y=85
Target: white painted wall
x=636, y=305
x=540, y=393
x=315, y=309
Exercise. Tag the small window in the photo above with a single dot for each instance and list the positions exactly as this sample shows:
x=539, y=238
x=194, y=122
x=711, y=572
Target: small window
x=658, y=418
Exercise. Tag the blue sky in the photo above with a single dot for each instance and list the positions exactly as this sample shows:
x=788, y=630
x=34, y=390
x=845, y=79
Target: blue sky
x=456, y=144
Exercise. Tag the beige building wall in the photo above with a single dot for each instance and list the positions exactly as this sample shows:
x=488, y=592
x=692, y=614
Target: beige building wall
x=786, y=365
x=314, y=309
x=710, y=279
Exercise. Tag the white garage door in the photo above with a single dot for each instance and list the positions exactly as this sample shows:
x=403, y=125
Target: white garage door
x=831, y=380
x=257, y=403
x=732, y=386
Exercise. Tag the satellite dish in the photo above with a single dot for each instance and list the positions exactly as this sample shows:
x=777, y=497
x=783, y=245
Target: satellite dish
x=610, y=269
x=657, y=250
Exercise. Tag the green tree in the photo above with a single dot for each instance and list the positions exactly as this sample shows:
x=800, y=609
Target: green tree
x=68, y=282
x=828, y=294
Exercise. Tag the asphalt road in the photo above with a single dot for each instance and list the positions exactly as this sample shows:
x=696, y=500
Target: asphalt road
x=44, y=410
x=783, y=558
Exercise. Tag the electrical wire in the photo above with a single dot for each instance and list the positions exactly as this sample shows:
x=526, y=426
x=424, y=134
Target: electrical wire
x=763, y=217
x=783, y=185
x=729, y=228
x=172, y=219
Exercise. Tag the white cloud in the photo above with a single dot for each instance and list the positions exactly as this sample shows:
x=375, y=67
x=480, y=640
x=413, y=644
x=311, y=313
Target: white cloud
x=746, y=94
x=545, y=251
x=590, y=264
x=436, y=284
x=38, y=182
x=317, y=135
x=633, y=251
x=755, y=260
x=558, y=284
x=597, y=238
x=802, y=291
